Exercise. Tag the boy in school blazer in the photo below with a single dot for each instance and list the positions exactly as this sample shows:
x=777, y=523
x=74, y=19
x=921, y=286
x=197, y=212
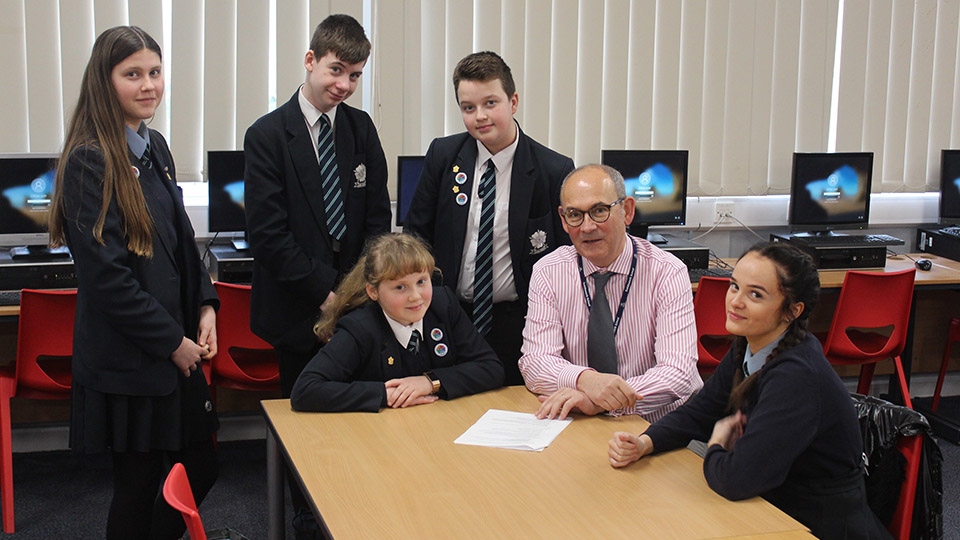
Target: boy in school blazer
x=445, y=208
x=297, y=262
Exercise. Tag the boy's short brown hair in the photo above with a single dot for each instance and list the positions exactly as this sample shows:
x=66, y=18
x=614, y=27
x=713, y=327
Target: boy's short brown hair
x=483, y=66
x=343, y=36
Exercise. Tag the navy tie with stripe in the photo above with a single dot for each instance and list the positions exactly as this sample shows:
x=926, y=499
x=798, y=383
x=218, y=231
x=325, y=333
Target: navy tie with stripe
x=414, y=342
x=332, y=192
x=483, y=274
x=601, y=342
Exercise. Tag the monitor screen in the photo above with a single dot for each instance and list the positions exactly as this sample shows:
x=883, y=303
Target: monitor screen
x=657, y=181
x=225, y=213
x=950, y=187
x=408, y=174
x=26, y=186
x=830, y=191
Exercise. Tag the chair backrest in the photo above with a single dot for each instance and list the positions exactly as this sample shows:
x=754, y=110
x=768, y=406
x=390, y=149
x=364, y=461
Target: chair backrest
x=45, y=341
x=178, y=494
x=870, y=300
x=709, y=310
x=885, y=426
x=236, y=342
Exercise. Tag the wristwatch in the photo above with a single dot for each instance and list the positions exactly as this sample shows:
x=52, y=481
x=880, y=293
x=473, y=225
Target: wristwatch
x=434, y=380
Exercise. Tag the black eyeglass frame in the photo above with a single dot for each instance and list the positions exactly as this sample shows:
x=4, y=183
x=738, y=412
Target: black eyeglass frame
x=583, y=213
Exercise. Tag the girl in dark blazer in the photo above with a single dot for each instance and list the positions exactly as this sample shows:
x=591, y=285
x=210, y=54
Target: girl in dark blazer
x=776, y=417
x=145, y=303
x=399, y=341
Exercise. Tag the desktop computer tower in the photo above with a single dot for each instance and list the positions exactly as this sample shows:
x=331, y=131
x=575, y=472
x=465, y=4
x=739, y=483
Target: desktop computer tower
x=692, y=254
x=35, y=274
x=230, y=265
x=840, y=258
x=935, y=242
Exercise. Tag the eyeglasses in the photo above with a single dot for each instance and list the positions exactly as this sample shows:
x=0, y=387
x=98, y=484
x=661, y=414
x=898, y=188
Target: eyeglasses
x=599, y=213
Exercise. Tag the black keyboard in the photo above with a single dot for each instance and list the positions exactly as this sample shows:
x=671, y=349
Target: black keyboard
x=697, y=273
x=9, y=298
x=849, y=240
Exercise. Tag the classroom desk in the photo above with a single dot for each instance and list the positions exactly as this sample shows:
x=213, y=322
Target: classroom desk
x=398, y=474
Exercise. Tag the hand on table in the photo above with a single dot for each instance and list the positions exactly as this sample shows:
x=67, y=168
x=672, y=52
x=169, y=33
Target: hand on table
x=409, y=391
x=564, y=401
x=625, y=448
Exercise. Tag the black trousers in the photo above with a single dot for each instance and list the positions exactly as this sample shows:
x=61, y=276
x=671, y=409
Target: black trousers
x=138, y=510
x=506, y=336
x=292, y=363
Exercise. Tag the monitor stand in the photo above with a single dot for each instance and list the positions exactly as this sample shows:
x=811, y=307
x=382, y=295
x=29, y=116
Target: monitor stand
x=39, y=253
x=643, y=231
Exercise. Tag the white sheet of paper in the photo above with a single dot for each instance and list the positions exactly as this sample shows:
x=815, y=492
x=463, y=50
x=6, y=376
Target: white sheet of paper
x=513, y=430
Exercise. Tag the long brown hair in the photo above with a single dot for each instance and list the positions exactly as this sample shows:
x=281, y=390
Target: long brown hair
x=798, y=281
x=98, y=124
x=389, y=256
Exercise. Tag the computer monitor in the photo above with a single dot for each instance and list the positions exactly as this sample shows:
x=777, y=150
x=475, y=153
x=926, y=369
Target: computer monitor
x=26, y=198
x=408, y=174
x=830, y=191
x=950, y=187
x=225, y=210
x=657, y=181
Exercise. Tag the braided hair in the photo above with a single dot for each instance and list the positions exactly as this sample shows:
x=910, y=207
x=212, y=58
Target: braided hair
x=799, y=282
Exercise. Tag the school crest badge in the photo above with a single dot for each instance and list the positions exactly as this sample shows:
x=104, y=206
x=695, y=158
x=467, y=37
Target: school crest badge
x=360, y=176
x=538, y=242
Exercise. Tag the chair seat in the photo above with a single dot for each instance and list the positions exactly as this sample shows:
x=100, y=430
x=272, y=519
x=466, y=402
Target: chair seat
x=256, y=365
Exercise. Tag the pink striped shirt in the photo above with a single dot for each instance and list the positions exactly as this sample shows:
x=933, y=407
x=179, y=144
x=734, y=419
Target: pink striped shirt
x=656, y=341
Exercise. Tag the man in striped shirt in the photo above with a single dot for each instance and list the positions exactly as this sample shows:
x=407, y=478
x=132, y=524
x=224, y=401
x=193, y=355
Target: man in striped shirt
x=651, y=368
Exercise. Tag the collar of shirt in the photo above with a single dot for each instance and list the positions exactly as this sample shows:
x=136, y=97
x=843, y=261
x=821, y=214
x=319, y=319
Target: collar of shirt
x=137, y=141
x=503, y=161
x=312, y=114
x=752, y=362
x=621, y=265
x=402, y=332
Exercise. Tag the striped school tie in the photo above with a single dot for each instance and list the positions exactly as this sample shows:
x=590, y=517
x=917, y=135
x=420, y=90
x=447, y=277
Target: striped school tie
x=483, y=275
x=332, y=193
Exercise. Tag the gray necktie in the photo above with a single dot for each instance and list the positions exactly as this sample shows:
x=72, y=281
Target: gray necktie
x=601, y=344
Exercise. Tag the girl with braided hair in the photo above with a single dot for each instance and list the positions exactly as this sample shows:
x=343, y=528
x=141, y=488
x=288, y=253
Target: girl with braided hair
x=777, y=419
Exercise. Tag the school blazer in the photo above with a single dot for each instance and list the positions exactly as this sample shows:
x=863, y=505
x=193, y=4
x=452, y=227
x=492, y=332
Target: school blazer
x=295, y=266
x=348, y=373
x=132, y=312
x=534, y=223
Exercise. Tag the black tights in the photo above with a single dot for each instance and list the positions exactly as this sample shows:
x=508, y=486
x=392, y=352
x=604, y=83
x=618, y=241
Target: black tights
x=138, y=510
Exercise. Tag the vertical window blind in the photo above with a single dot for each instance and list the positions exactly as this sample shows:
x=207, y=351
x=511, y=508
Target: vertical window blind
x=741, y=84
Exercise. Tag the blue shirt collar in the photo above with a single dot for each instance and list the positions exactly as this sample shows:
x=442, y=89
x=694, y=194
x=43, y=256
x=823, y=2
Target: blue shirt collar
x=138, y=141
x=752, y=362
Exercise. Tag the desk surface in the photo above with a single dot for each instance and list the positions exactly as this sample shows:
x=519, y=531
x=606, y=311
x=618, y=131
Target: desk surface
x=945, y=272
x=398, y=474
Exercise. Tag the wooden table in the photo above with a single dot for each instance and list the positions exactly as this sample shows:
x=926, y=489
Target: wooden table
x=398, y=474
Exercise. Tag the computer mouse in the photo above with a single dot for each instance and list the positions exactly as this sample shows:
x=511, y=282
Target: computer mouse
x=924, y=264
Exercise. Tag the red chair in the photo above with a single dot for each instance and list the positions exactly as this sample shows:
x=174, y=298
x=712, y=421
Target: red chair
x=178, y=494
x=243, y=360
x=902, y=520
x=42, y=369
x=870, y=324
x=953, y=336
x=709, y=310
